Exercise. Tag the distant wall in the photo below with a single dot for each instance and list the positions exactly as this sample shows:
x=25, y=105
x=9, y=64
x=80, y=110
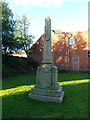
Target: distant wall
x=73, y=57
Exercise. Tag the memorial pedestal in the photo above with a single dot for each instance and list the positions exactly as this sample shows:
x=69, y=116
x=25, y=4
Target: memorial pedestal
x=46, y=88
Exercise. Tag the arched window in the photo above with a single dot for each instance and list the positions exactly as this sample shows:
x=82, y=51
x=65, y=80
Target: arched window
x=71, y=41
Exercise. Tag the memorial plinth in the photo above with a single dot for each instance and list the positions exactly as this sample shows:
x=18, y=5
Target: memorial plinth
x=47, y=88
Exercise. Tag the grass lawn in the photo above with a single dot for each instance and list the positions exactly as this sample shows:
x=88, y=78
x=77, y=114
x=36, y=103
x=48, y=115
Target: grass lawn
x=16, y=103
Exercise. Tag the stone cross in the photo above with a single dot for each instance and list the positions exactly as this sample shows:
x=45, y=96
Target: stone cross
x=47, y=54
x=46, y=88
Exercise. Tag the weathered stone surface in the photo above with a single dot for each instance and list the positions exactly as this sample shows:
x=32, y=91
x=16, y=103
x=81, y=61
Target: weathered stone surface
x=47, y=88
x=47, y=54
x=47, y=76
x=47, y=92
x=47, y=98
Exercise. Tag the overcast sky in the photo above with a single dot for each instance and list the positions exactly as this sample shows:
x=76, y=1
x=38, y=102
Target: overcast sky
x=67, y=15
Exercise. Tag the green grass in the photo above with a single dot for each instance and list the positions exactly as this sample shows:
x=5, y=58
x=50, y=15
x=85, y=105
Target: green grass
x=16, y=103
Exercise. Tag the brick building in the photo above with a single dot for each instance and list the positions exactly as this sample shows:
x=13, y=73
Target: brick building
x=69, y=50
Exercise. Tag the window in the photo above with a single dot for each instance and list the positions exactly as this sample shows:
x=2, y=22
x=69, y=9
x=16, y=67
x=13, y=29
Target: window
x=71, y=41
x=88, y=53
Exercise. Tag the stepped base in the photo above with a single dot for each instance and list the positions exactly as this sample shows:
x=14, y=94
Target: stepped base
x=47, y=95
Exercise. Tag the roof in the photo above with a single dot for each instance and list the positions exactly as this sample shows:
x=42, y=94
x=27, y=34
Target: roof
x=57, y=31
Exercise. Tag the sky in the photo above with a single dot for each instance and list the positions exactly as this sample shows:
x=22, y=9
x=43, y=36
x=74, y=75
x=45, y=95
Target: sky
x=67, y=15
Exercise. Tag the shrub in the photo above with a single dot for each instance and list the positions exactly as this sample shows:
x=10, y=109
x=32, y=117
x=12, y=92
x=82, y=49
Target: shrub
x=60, y=70
x=5, y=71
x=32, y=63
x=16, y=65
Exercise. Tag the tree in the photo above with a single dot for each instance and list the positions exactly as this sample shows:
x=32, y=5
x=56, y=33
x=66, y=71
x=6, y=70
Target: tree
x=9, y=44
x=21, y=33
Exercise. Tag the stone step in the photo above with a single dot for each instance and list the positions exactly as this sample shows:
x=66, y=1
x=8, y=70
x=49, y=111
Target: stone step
x=47, y=98
x=47, y=92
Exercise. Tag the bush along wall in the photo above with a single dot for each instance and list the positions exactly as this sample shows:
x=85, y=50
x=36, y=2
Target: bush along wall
x=12, y=65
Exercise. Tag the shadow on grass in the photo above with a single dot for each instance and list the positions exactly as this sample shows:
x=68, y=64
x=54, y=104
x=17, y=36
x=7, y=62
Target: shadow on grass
x=72, y=76
x=20, y=80
x=25, y=88
x=75, y=104
x=30, y=79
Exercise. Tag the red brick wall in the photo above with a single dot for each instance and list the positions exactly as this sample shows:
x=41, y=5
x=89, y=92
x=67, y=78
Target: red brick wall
x=63, y=54
x=38, y=50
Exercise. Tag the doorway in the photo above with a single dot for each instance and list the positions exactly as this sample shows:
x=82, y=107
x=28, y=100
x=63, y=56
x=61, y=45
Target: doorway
x=75, y=64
